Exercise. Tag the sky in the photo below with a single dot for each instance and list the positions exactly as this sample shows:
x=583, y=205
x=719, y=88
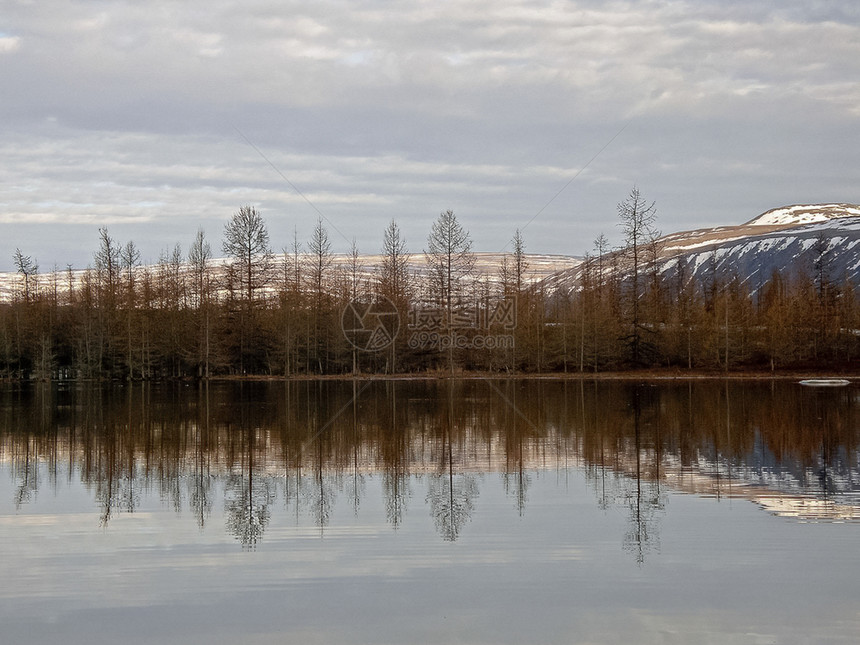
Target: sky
x=157, y=119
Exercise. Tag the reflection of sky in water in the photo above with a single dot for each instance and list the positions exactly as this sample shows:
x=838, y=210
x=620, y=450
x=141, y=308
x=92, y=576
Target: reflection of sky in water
x=558, y=573
x=428, y=530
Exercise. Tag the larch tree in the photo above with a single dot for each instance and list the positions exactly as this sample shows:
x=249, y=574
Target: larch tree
x=199, y=255
x=321, y=257
x=28, y=269
x=394, y=281
x=354, y=270
x=603, y=323
x=25, y=314
x=291, y=303
x=519, y=263
x=320, y=261
x=130, y=260
x=394, y=278
x=108, y=273
x=353, y=280
x=246, y=241
x=108, y=264
x=450, y=259
x=516, y=269
x=637, y=219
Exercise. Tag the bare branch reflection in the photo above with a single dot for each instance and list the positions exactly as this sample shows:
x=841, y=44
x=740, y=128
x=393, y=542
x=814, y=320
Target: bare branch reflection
x=201, y=479
x=301, y=447
x=247, y=507
x=451, y=497
x=248, y=493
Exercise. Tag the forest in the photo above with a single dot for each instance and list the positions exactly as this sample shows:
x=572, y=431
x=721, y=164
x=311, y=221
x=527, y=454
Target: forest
x=298, y=312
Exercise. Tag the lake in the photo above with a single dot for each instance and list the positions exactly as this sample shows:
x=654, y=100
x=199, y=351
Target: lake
x=430, y=511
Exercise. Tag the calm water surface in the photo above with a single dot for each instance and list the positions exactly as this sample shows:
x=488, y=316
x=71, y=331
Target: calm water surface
x=430, y=511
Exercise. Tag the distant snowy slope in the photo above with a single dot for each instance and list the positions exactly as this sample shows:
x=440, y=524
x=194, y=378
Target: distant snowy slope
x=804, y=214
x=786, y=239
x=487, y=266
x=792, y=252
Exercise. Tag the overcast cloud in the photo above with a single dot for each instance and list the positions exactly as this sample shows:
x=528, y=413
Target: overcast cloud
x=148, y=117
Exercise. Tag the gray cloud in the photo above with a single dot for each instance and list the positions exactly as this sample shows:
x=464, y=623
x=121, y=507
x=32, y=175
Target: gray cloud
x=134, y=116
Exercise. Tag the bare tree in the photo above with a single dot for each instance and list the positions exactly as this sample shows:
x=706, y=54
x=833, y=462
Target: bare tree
x=320, y=261
x=450, y=258
x=601, y=249
x=395, y=281
x=199, y=256
x=172, y=296
x=246, y=240
x=28, y=269
x=519, y=262
x=354, y=268
x=637, y=221
x=107, y=260
x=394, y=278
x=107, y=273
x=291, y=302
x=512, y=277
x=130, y=259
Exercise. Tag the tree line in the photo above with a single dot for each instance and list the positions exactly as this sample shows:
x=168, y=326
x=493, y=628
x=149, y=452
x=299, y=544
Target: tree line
x=266, y=313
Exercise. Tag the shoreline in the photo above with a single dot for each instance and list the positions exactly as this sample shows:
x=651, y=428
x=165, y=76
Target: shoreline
x=645, y=375
x=631, y=375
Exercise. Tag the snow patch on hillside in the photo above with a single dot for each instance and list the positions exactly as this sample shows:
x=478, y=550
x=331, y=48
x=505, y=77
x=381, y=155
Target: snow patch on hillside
x=805, y=214
x=681, y=246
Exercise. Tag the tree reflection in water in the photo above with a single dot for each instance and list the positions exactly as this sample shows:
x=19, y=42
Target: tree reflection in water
x=248, y=494
x=395, y=452
x=247, y=503
x=451, y=500
x=201, y=480
x=643, y=496
x=307, y=443
x=451, y=496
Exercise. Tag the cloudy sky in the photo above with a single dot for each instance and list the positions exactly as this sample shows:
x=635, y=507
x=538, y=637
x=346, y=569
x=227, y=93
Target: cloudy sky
x=157, y=118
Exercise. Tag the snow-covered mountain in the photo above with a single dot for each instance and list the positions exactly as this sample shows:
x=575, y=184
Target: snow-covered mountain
x=789, y=239
x=804, y=214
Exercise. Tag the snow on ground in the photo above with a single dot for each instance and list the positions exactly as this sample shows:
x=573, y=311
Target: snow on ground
x=487, y=266
x=804, y=214
x=773, y=221
x=777, y=239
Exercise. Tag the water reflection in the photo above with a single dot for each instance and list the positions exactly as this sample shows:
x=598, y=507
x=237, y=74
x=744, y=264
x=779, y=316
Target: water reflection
x=303, y=447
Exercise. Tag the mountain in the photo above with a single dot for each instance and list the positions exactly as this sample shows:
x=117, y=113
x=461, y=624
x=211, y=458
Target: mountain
x=789, y=239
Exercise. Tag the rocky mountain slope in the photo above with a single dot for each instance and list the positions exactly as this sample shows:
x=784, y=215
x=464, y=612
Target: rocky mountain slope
x=789, y=239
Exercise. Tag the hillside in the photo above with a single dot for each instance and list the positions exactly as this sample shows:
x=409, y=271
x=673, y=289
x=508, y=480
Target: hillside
x=789, y=239
x=540, y=267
